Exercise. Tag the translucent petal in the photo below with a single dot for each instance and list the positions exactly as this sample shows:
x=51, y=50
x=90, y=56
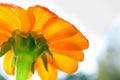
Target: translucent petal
x=7, y=63
x=58, y=29
x=76, y=42
x=30, y=74
x=8, y=18
x=50, y=75
x=75, y=54
x=3, y=38
x=26, y=19
x=13, y=17
x=42, y=16
x=64, y=63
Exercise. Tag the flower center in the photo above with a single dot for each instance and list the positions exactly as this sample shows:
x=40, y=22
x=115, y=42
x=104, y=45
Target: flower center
x=27, y=47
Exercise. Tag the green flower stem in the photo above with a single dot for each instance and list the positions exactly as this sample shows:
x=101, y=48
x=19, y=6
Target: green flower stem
x=24, y=63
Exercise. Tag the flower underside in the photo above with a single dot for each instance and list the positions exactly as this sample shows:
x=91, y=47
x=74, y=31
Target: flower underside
x=26, y=47
x=36, y=39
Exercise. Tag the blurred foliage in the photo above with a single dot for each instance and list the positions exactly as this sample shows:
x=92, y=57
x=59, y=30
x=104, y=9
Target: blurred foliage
x=79, y=76
x=1, y=77
x=109, y=66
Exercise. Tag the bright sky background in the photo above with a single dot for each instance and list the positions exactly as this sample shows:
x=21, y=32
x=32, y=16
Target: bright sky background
x=91, y=17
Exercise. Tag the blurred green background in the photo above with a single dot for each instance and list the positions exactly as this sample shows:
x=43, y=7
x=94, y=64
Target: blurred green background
x=2, y=78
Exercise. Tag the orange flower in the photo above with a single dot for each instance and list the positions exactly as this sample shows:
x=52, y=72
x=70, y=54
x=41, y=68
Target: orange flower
x=41, y=39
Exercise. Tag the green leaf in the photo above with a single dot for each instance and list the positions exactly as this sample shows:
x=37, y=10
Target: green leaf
x=45, y=62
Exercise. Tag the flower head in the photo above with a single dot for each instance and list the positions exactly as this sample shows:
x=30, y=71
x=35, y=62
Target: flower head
x=37, y=39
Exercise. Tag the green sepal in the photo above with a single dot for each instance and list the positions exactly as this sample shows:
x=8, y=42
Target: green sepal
x=41, y=44
x=40, y=41
x=6, y=46
x=42, y=47
x=13, y=62
x=48, y=51
x=19, y=33
x=45, y=61
x=32, y=68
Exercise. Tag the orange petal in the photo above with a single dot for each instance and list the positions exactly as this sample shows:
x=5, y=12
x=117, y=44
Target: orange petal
x=59, y=29
x=76, y=42
x=42, y=16
x=3, y=38
x=50, y=75
x=64, y=63
x=30, y=74
x=8, y=18
x=75, y=54
x=26, y=19
x=7, y=63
